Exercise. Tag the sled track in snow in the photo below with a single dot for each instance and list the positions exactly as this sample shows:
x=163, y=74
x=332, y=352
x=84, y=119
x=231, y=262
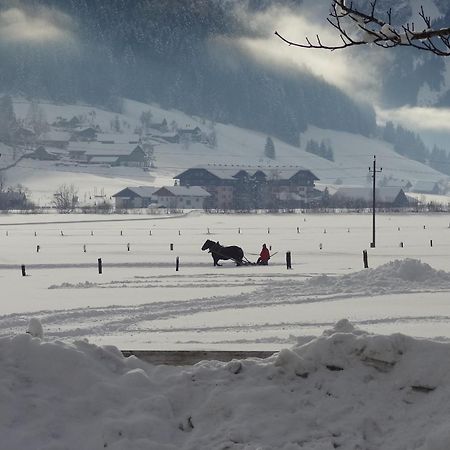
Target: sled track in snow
x=137, y=319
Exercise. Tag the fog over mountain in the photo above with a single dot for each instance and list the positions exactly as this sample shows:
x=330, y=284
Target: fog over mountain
x=181, y=54
x=216, y=59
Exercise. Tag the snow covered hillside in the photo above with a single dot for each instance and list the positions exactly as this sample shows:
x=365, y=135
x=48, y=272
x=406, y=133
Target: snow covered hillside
x=352, y=154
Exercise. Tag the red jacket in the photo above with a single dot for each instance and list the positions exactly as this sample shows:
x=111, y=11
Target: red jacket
x=264, y=255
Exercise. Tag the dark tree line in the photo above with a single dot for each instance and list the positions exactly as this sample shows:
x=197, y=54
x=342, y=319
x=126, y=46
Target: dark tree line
x=8, y=121
x=405, y=142
x=411, y=145
x=322, y=149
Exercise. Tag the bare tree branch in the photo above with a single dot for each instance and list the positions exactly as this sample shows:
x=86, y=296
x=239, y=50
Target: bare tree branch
x=356, y=27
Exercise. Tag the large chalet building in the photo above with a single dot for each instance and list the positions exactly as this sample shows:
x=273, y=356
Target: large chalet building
x=239, y=187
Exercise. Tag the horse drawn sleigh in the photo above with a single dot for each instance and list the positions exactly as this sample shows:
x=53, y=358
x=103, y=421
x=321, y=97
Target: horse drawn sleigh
x=233, y=252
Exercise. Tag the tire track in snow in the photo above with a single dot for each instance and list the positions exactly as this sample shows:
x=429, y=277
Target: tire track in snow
x=410, y=277
x=117, y=319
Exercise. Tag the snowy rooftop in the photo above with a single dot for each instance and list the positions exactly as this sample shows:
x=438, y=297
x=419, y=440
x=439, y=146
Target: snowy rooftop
x=99, y=149
x=141, y=191
x=229, y=171
x=54, y=135
x=383, y=194
x=104, y=159
x=187, y=191
x=118, y=138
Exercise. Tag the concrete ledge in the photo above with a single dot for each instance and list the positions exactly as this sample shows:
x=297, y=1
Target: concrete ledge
x=187, y=357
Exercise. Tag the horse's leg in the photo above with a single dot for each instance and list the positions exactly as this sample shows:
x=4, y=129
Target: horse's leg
x=216, y=260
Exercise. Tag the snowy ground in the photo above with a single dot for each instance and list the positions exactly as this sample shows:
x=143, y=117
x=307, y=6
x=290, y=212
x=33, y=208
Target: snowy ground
x=141, y=302
x=334, y=383
x=347, y=389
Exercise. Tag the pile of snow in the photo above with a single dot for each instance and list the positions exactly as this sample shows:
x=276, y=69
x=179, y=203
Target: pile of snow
x=406, y=275
x=346, y=389
x=35, y=328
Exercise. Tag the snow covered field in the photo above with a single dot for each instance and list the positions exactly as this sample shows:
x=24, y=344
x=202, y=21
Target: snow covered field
x=141, y=302
x=338, y=386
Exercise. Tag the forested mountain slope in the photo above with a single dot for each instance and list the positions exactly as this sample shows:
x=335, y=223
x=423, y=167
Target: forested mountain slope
x=181, y=54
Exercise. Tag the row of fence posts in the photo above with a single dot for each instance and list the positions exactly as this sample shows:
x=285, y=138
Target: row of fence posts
x=208, y=231
x=38, y=247
x=365, y=256
x=100, y=266
x=177, y=259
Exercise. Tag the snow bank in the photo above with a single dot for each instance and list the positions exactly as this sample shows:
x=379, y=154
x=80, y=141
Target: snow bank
x=406, y=275
x=346, y=389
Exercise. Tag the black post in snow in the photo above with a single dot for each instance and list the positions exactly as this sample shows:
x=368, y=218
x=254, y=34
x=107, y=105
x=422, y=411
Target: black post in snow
x=365, y=259
x=374, y=172
x=288, y=260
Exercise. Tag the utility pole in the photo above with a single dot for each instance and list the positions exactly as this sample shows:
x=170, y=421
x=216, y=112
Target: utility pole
x=374, y=172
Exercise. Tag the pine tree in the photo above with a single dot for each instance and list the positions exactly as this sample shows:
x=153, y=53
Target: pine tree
x=36, y=118
x=115, y=124
x=146, y=120
x=7, y=119
x=269, y=148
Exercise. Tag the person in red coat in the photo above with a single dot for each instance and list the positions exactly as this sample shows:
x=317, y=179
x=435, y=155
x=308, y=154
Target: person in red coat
x=264, y=256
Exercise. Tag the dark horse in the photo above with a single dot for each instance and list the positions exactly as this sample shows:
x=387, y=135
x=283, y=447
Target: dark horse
x=220, y=252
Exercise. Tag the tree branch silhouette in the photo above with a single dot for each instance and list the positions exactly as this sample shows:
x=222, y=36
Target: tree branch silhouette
x=356, y=27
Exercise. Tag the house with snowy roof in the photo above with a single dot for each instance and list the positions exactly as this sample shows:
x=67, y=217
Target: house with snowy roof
x=135, y=197
x=84, y=134
x=190, y=134
x=360, y=197
x=54, y=139
x=118, y=138
x=181, y=197
x=172, y=197
x=130, y=155
x=42, y=154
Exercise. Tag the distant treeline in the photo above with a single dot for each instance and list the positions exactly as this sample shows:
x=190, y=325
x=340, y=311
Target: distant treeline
x=411, y=145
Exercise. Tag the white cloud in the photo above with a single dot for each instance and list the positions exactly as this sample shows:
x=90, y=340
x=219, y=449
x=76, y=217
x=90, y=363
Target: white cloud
x=355, y=72
x=417, y=118
x=20, y=26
